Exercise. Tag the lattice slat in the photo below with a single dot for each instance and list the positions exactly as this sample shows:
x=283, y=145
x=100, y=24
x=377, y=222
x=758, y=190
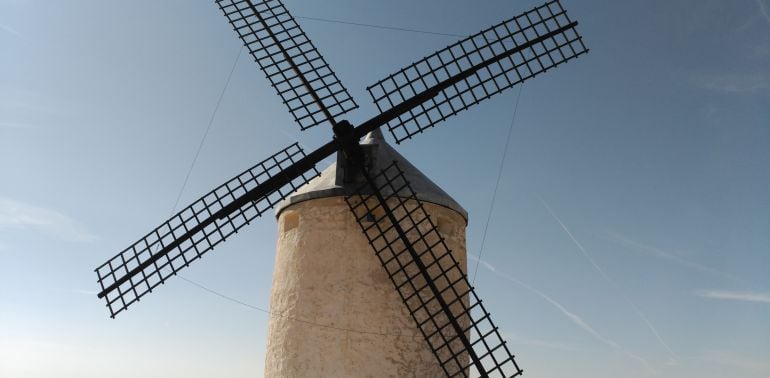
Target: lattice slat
x=479, y=67
x=278, y=45
x=450, y=284
x=141, y=282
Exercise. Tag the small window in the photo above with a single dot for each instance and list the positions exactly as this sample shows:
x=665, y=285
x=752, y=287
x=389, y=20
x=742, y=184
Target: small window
x=445, y=226
x=290, y=221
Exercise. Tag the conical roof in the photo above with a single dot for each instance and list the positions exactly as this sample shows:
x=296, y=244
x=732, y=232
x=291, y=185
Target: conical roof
x=331, y=184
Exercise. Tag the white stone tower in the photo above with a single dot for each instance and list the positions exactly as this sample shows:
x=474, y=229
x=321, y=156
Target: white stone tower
x=339, y=314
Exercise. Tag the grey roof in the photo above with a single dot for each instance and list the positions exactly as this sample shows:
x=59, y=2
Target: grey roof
x=330, y=183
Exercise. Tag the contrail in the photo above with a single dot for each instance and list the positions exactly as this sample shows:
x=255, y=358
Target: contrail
x=609, y=280
x=569, y=314
x=650, y=250
x=746, y=296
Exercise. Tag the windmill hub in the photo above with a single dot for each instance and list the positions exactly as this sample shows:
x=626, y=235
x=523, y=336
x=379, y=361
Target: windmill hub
x=345, y=136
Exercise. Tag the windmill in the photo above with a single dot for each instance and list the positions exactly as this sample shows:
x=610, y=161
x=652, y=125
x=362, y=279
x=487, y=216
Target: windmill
x=428, y=279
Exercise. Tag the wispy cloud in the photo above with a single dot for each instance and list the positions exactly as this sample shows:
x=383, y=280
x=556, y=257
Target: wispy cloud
x=29, y=109
x=9, y=30
x=612, y=282
x=740, y=361
x=733, y=83
x=671, y=257
x=14, y=125
x=20, y=215
x=744, y=296
x=74, y=291
x=574, y=318
x=763, y=10
x=761, y=51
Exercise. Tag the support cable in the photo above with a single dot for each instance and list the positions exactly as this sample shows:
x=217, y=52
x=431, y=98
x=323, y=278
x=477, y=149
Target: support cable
x=383, y=27
x=497, y=183
x=206, y=133
x=271, y=313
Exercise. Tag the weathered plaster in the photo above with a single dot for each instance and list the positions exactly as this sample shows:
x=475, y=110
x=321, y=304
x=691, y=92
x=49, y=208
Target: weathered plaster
x=326, y=273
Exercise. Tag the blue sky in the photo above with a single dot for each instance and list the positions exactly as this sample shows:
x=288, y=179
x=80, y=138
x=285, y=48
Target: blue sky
x=629, y=236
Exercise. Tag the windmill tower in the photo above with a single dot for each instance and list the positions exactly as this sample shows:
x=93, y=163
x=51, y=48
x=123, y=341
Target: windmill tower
x=335, y=310
x=414, y=229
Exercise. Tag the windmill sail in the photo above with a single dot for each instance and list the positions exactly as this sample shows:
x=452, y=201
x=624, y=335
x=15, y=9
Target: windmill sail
x=430, y=281
x=295, y=68
x=194, y=231
x=476, y=68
